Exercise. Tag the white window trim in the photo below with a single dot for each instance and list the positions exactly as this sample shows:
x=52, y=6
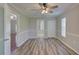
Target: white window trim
x=63, y=27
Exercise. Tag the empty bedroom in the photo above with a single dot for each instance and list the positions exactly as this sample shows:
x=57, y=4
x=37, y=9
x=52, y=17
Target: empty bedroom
x=39, y=28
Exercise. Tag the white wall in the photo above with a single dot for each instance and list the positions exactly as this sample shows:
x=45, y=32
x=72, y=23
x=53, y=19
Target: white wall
x=32, y=31
x=22, y=34
x=72, y=38
x=50, y=27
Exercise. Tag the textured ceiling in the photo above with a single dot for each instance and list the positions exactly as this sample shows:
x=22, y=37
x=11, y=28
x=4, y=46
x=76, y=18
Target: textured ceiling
x=33, y=9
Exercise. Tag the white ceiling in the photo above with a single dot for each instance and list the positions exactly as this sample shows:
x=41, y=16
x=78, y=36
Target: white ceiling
x=1, y=5
x=33, y=9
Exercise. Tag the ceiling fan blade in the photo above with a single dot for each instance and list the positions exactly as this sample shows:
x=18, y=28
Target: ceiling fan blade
x=53, y=7
x=50, y=11
x=35, y=9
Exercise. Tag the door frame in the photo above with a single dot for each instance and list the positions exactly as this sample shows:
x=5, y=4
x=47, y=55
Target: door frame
x=7, y=12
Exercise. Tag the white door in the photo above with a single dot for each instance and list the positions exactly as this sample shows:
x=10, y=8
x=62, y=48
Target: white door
x=7, y=30
x=10, y=26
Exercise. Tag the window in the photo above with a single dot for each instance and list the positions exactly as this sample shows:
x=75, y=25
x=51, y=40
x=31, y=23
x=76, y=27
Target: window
x=40, y=27
x=63, y=27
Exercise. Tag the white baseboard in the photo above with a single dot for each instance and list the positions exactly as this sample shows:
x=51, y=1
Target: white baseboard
x=71, y=40
x=68, y=46
x=73, y=34
x=21, y=43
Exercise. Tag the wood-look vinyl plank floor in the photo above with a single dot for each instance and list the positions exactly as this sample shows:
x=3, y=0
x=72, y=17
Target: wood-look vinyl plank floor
x=50, y=46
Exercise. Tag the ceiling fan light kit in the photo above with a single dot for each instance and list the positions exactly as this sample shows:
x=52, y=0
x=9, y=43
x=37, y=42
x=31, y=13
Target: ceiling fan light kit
x=44, y=11
x=46, y=8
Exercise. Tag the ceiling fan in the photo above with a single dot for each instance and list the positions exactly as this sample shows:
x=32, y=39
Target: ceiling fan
x=47, y=8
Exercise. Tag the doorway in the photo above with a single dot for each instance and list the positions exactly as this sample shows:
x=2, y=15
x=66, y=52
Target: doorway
x=13, y=18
